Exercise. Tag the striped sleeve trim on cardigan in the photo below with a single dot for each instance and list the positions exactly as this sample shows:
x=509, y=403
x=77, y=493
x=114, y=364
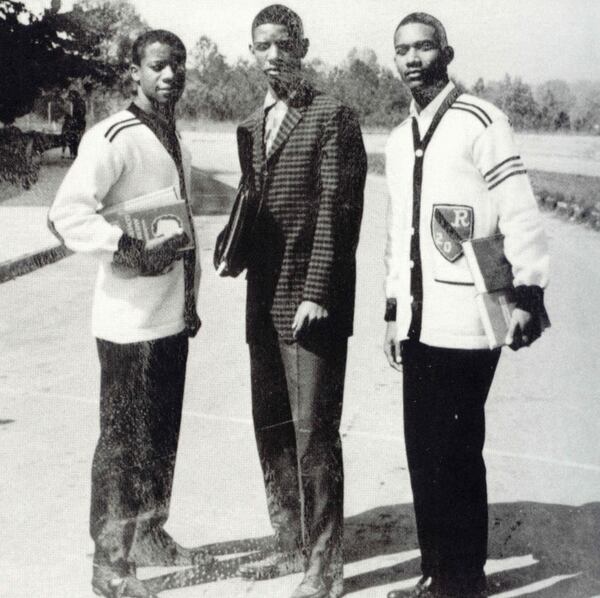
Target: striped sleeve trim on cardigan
x=505, y=169
x=117, y=127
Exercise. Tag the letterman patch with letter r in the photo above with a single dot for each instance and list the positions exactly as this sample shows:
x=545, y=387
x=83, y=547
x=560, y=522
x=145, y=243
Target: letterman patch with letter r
x=450, y=225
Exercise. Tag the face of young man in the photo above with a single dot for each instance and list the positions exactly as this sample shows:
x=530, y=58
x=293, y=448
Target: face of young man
x=278, y=55
x=160, y=74
x=419, y=59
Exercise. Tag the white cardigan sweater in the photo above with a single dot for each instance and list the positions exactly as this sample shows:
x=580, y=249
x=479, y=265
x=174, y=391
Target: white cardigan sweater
x=473, y=173
x=119, y=159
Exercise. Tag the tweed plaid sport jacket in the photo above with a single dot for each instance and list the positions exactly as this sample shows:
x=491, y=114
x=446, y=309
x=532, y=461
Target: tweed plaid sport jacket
x=312, y=186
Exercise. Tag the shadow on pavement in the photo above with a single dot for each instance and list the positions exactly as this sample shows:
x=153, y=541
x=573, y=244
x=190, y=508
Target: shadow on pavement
x=563, y=541
x=3, y=422
x=210, y=196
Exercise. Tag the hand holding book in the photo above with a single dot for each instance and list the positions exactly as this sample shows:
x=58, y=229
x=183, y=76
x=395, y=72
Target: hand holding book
x=148, y=258
x=510, y=316
x=528, y=319
x=157, y=215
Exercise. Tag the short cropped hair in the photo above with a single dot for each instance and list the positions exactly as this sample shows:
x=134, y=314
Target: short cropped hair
x=426, y=19
x=152, y=36
x=278, y=14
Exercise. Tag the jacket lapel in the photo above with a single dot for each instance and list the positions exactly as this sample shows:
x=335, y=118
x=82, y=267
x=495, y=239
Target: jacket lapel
x=298, y=102
x=292, y=117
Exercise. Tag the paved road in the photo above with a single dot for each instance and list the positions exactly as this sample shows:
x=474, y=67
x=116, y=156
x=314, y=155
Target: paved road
x=574, y=154
x=542, y=450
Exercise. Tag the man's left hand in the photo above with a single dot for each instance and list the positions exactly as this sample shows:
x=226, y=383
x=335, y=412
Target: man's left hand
x=522, y=330
x=307, y=313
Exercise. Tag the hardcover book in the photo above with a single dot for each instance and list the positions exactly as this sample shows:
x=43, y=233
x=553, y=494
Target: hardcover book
x=492, y=275
x=156, y=214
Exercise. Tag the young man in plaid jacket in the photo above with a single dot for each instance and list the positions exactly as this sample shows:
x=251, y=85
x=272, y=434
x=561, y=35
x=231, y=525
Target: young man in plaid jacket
x=309, y=165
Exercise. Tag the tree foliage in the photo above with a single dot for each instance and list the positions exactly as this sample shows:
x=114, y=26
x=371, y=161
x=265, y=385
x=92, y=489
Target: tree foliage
x=45, y=52
x=551, y=106
x=215, y=90
x=111, y=27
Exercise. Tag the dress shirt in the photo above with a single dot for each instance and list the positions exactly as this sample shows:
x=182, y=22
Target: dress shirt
x=275, y=111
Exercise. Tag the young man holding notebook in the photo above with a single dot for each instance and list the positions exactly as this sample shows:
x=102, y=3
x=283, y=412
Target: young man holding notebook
x=454, y=172
x=144, y=312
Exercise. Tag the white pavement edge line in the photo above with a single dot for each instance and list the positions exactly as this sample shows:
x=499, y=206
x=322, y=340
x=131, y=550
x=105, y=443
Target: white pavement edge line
x=386, y=437
x=535, y=587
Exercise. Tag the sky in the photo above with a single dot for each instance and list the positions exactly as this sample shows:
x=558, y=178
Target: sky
x=536, y=40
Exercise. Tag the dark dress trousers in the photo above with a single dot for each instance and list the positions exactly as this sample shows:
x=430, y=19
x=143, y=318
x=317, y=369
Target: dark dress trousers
x=312, y=185
x=445, y=391
x=141, y=398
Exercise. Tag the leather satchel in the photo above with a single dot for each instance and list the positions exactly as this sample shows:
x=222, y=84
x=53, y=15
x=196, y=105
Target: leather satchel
x=233, y=242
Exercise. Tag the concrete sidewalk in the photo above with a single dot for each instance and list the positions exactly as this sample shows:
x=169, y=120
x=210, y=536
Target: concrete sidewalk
x=23, y=231
x=542, y=448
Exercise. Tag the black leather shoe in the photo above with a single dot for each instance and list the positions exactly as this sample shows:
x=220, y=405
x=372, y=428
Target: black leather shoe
x=158, y=549
x=277, y=564
x=118, y=581
x=311, y=587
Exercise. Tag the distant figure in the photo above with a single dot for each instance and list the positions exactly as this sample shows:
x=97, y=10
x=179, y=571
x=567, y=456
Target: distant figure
x=67, y=138
x=73, y=125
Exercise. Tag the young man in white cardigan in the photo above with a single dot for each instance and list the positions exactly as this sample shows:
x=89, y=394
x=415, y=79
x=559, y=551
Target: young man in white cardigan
x=452, y=163
x=144, y=311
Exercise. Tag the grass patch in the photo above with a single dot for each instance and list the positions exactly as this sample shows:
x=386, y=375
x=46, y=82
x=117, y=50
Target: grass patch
x=574, y=196
x=572, y=188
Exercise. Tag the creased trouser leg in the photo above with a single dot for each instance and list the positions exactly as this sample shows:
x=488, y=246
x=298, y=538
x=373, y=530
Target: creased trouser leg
x=315, y=378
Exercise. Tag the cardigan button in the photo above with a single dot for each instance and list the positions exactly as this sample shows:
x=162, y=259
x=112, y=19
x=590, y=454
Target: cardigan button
x=419, y=153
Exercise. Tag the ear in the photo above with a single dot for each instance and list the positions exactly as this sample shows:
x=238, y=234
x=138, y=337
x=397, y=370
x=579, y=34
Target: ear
x=134, y=71
x=448, y=52
x=304, y=44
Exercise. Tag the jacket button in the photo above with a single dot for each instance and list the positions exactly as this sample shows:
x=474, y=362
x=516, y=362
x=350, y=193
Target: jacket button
x=411, y=263
x=419, y=153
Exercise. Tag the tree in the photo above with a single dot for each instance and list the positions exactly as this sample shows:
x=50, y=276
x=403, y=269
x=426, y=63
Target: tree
x=217, y=91
x=585, y=112
x=515, y=98
x=479, y=88
x=205, y=93
x=44, y=53
x=555, y=101
x=110, y=27
x=375, y=93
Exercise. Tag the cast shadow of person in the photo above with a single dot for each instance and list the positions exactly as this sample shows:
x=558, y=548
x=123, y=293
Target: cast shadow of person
x=562, y=543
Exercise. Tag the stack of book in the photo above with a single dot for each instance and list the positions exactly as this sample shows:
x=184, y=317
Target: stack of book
x=157, y=214
x=492, y=275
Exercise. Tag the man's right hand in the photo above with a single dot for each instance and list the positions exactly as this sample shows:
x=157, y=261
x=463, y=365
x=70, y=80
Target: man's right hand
x=149, y=259
x=391, y=346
